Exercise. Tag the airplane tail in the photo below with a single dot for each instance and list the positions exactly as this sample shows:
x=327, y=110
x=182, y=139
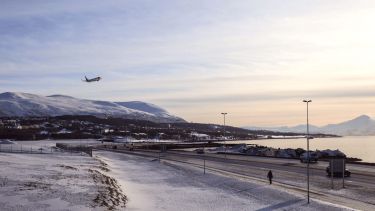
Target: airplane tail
x=86, y=78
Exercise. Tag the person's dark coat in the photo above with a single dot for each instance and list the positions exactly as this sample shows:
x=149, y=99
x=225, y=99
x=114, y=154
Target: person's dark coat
x=270, y=176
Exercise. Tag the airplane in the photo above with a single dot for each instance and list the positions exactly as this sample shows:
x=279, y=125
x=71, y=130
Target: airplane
x=92, y=79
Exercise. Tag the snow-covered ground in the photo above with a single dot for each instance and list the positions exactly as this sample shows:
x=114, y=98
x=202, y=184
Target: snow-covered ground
x=111, y=181
x=151, y=185
x=56, y=181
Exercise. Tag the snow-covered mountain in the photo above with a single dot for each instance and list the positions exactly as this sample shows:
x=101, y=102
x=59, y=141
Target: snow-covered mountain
x=360, y=126
x=24, y=104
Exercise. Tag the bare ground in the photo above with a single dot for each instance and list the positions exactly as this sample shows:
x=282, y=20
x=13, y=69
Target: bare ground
x=110, y=194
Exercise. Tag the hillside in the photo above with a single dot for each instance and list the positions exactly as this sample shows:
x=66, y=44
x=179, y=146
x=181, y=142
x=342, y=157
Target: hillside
x=23, y=105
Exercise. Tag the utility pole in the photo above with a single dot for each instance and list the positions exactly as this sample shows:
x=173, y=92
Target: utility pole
x=343, y=172
x=225, y=145
x=204, y=161
x=308, y=151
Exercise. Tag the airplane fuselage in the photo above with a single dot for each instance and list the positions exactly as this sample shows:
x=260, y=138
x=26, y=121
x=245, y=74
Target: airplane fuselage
x=92, y=79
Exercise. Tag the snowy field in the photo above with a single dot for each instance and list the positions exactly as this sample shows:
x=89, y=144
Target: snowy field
x=151, y=185
x=56, y=182
x=113, y=181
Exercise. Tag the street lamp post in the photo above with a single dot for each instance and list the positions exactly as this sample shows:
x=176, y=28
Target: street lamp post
x=225, y=145
x=308, y=150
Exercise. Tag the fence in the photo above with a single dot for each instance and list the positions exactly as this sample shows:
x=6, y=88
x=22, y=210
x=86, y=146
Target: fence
x=18, y=148
x=34, y=149
x=75, y=148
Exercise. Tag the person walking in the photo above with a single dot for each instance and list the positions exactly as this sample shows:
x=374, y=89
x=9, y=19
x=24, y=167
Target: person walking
x=270, y=176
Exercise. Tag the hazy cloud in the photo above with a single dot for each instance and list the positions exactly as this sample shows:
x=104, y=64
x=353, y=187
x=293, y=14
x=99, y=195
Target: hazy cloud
x=185, y=54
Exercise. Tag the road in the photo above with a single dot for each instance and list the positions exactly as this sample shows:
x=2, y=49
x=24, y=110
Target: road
x=359, y=191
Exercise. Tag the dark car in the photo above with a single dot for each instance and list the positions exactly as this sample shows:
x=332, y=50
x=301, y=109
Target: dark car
x=338, y=173
x=200, y=151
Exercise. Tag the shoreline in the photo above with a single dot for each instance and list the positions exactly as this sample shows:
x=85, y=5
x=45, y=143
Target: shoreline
x=351, y=159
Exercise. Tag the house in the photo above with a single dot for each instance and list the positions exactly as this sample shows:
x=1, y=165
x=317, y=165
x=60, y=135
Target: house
x=199, y=136
x=64, y=131
x=43, y=132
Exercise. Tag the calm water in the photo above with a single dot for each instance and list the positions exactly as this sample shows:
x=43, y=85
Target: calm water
x=353, y=146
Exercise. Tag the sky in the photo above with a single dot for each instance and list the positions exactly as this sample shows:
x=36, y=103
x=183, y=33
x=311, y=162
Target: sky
x=255, y=60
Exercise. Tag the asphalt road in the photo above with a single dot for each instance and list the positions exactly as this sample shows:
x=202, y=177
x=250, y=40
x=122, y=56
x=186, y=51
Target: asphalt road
x=359, y=191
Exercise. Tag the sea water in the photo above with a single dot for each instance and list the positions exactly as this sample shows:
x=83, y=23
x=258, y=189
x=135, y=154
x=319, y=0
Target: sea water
x=362, y=147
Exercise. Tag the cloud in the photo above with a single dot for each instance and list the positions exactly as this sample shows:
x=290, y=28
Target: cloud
x=364, y=92
x=184, y=54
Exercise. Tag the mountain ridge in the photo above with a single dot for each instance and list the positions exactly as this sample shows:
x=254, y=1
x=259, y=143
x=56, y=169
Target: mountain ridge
x=25, y=104
x=360, y=126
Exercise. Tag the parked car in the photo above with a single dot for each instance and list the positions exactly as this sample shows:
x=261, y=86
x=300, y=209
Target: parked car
x=338, y=173
x=313, y=157
x=200, y=151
